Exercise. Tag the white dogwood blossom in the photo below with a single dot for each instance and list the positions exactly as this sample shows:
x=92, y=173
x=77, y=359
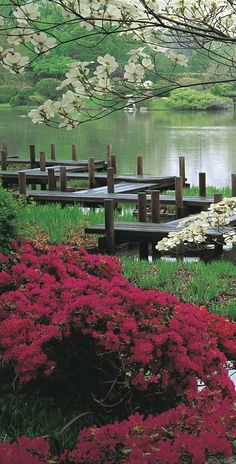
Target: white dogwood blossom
x=152, y=27
x=29, y=11
x=42, y=42
x=195, y=229
x=14, y=61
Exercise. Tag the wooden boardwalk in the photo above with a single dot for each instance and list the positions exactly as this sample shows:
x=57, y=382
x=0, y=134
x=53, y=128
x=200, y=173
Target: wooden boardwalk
x=100, y=164
x=145, y=232
x=37, y=176
x=98, y=196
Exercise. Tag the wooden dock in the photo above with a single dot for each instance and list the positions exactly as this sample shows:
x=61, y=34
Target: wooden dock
x=98, y=196
x=144, y=233
x=76, y=173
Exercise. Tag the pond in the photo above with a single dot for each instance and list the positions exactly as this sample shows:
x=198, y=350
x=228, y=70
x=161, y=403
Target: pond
x=207, y=140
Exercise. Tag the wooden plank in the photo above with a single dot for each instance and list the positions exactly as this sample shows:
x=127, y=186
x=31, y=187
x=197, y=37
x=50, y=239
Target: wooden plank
x=36, y=174
x=51, y=162
x=92, y=196
x=140, y=231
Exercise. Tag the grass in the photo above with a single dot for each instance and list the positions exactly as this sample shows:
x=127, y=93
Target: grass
x=212, y=285
x=60, y=223
x=210, y=190
x=28, y=411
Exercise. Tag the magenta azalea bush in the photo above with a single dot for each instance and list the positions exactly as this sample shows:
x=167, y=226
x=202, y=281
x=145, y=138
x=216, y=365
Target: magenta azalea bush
x=140, y=353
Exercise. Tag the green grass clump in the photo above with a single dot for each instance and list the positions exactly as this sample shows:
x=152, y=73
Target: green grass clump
x=210, y=190
x=59, y=223
x=212, y=285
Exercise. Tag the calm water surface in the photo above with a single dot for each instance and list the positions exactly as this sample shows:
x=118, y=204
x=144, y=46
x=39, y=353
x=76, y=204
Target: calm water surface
x=207, y=140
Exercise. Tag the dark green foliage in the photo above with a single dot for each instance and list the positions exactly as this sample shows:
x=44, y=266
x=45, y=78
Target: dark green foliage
x=8, y=219
x=23, y=97
x=48, y=87
x=7, y=92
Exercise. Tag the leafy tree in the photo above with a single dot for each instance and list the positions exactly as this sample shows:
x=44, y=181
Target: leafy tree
x=23, y=97
x=48, y=87
x=159, y=38
x=6, y=93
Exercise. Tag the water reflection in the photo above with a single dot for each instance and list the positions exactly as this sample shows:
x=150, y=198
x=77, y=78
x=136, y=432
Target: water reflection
x=207, y=140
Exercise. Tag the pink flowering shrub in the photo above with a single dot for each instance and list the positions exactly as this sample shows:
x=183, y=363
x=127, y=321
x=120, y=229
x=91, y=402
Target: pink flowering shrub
x=67, y=314
x=25, y=451
x=184, y=432
x=47, y=294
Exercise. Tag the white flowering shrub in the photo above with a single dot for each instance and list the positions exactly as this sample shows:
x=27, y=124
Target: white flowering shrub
x=152, y=27
x=194, y=230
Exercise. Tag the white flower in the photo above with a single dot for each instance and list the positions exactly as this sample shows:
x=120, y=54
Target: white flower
x=26, y=12
x=147, y=63
x=19, y=35
x=42, y=42
x=133, y=72
x=179, y=59
x=43, y=113
x=15, y=62
x=108, y=63
x=148, y=84
x=69, y=124
x=137, y=52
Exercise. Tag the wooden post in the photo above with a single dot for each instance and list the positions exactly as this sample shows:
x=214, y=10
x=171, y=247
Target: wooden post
x=53, y=151
x=142, y=217
x=218, y=197
x=140, y=165
x=113, y=162
x=179, y=197
x=182, y=169
x=109, y=226
x=110, y=180
x=4, y=160
x=63, y=178
x=109, y=153
x=32, y=156
x=51, y=179
x=202, y=184
x=22, y=182
x=91, y=177
x=233, y=185
x=5, y=147
x=74, y=152
x=155, y=209
x=42, y=161
x=155, y=205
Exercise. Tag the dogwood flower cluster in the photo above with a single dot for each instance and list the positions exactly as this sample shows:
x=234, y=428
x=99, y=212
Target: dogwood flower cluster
x=195, y=229
x=155, y=26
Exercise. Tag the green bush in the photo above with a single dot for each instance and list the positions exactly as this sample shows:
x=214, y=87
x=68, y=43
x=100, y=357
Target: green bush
x=6, y=93
x=191, y=99
x=23, y=97
x=188, y=80
x=8, y=219
x=37, y=99
x=48, y=87
x=222, y=89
